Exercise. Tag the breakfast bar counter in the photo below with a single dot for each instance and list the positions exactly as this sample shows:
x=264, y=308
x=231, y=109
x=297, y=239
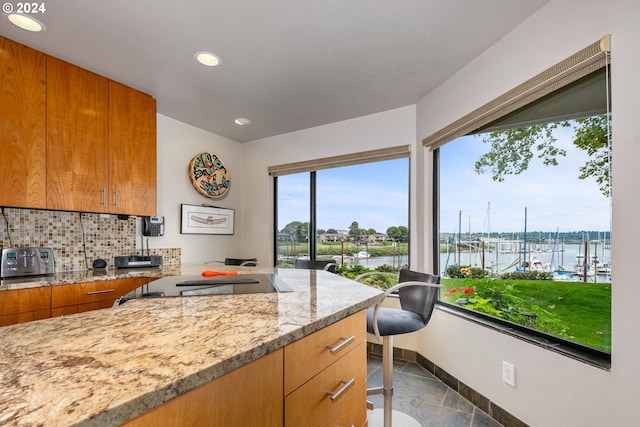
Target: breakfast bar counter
x=105, y=367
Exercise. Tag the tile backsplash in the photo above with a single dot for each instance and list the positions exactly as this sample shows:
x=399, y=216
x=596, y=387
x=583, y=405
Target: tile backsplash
x=77, y=239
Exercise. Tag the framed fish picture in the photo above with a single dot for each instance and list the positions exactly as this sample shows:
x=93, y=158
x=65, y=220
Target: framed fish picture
x=206, y=220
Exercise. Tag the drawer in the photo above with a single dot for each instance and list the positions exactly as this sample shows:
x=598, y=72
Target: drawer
x=91, y=292
x=342, y=336
x=352, y=413
x=25, y=300
x=312, y=403
x=12, y=319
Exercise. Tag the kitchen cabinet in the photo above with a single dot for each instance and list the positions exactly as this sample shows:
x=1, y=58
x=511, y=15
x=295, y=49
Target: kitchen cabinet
x=248, y=396
x=24, y=305
x=87, y=296
x=325, y=376
x=77, y=138
x=305, y=374
x=22, y=126
x=132, y=151
x=101, y=143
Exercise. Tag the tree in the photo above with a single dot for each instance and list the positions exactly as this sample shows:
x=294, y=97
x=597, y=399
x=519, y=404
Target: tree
x=399, y=234
x=512, y=150
x=354, y=230
x=296, y=230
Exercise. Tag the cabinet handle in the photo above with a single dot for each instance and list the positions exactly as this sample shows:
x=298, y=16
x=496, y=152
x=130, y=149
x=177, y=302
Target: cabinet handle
x=346, y=384
x=345, y=341
x=104, y=197
x=103, y=291
x=115, y=191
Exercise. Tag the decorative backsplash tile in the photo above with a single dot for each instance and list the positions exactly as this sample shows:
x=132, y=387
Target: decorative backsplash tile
x=77, y=239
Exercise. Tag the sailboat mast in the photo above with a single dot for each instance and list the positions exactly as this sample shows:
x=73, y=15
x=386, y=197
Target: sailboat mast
x=524, y=250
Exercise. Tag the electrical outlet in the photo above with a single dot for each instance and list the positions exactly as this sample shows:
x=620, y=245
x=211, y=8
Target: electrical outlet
x=509, y=373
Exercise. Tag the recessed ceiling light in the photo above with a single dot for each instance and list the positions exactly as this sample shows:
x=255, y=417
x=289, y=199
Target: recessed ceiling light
x=207, y=58
x=26, y=22
x=242, y=121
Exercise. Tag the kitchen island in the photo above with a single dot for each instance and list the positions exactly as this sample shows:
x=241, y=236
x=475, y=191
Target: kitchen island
x=106, y=367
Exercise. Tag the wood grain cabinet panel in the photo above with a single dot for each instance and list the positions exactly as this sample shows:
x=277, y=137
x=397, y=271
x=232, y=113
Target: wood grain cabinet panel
x=23, y=305
x=324, y=394
x=132, y=148
x=77, y=138
x=80, y=297
x=22, y=126
x=247, y=397
x=347, y=334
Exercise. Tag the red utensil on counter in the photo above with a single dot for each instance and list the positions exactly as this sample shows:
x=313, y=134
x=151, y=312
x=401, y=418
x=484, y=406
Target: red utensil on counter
x=212, y=273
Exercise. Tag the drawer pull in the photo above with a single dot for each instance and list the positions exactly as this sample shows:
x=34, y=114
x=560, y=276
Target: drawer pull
x=346, y=384
x=104, y=291
x=345, y=341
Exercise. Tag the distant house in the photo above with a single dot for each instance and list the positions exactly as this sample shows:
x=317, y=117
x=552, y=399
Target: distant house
x=377, y=238
x=334, y=237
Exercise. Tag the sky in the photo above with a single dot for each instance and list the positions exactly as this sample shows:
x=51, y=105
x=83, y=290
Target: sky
x=376, y=194
x=554, y=197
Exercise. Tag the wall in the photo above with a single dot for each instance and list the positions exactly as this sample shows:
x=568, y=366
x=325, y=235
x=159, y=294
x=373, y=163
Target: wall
x=76, y=239
x=178, y=143
x=387, y=129
x=553, y=390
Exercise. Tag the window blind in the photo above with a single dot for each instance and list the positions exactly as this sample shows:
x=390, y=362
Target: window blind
x=572, y=69
x=390, y=153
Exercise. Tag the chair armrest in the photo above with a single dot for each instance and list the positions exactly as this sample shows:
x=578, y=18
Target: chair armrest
x=393, y=289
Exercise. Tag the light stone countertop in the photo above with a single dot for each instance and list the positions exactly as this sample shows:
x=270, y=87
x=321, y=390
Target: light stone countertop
x=104, y=367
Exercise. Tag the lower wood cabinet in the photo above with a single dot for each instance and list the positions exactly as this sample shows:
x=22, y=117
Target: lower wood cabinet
x=24, y=305
x=325, y=376
x=81, y=297
x=246, y=397
x=319, y=380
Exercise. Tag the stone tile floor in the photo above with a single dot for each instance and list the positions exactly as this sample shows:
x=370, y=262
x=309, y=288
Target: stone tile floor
x=427, y=399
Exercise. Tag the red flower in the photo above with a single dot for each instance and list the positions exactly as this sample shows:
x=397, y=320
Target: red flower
x=468, y=290
x=452, y=290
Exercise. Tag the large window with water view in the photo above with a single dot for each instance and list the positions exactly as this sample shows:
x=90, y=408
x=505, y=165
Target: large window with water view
x=356, y=215
x=525, y=220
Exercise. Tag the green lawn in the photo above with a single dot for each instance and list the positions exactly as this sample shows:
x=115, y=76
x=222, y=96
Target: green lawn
x=582, y=309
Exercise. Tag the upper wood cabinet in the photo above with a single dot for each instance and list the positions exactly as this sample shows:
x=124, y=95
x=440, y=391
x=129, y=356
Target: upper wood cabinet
x=77, y=138
x=132, y=150
x=101, y=143
x=22, y=125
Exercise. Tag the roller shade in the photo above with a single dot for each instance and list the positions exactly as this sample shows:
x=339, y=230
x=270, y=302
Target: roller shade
x=398, y=152
x=561, y=76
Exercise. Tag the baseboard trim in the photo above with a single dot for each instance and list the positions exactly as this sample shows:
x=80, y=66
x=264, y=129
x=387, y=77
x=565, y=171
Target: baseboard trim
x=483, y=403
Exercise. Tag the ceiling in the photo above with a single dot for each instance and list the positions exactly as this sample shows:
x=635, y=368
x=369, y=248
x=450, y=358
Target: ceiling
x=285, y=64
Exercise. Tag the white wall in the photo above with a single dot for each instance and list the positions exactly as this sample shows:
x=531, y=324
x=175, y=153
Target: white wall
x=177, y=144
x=387, y=129
x=553, y=390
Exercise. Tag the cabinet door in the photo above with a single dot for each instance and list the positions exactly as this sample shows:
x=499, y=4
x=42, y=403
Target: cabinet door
x=23, y=305
x=77, y=138
x=247, y=397
x=79, y=297
x=22, y=126
x=132, y=151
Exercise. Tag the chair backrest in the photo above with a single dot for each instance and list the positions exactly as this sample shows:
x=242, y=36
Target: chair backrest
x=419, y=299
x=308, y=264
x=247, y=262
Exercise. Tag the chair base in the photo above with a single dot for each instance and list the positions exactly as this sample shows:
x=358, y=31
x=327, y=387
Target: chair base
x=400, y=419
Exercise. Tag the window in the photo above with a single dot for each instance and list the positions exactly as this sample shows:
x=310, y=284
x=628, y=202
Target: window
x=355, y=214
x=524, y=210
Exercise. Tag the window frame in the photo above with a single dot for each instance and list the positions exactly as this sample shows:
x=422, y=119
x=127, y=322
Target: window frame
x=595, y=54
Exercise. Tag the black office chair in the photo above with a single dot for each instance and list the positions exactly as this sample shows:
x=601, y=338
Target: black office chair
x=243, y=262
x=308, y=264
x=418, y=293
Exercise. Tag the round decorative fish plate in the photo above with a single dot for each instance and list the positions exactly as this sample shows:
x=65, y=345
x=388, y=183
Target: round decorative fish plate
x=209, y=176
